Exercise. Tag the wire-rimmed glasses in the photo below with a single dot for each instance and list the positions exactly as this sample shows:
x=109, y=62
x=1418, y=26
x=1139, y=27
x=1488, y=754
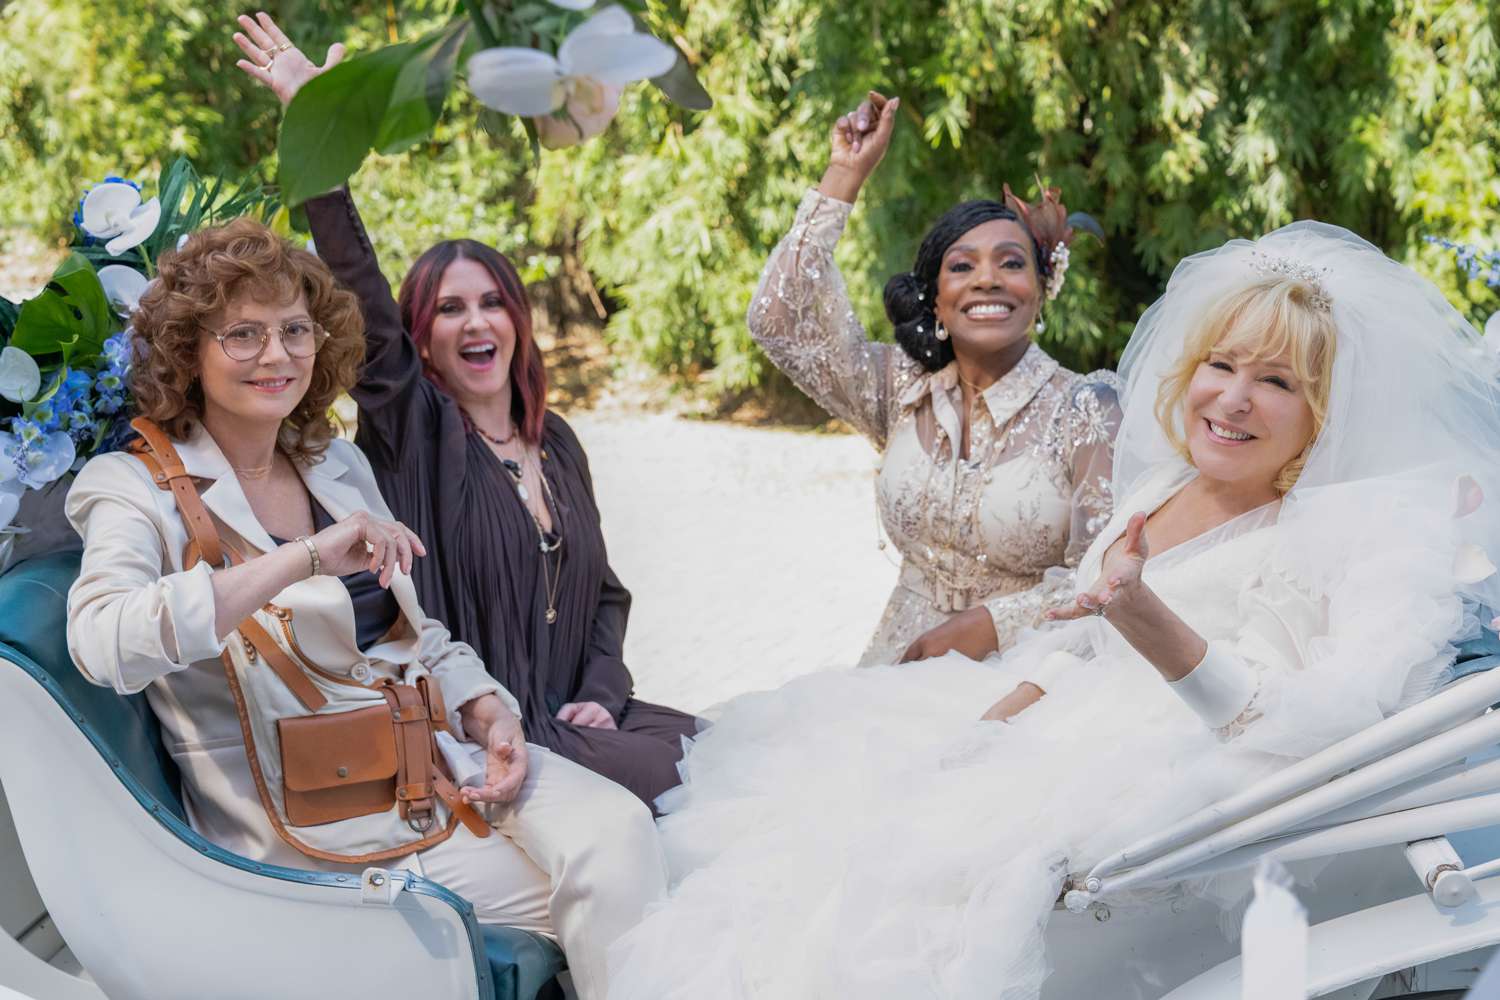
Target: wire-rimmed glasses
x=300, y=338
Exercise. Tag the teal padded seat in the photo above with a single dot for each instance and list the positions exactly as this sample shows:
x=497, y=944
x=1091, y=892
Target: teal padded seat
x=511, y=964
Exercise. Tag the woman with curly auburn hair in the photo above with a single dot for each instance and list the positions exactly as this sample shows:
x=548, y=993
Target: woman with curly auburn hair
x=214, y=267
x=241, y=345
x=453, y=414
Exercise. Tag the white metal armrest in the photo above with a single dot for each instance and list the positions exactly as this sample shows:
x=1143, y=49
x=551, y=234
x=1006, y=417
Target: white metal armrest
x=1297, y=796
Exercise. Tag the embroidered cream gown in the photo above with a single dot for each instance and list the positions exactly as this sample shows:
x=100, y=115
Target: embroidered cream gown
x=1005, y=527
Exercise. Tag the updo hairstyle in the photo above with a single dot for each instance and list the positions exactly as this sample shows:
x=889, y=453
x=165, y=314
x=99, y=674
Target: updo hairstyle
x=911, y=296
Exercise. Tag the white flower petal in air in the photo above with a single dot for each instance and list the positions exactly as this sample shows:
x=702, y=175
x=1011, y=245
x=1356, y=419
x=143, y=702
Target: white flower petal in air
x=517, y=81
x=138, y=228
x=19, y=376
x=1468, y=496
x=182, y=240
x=607, y=48
x=572, y=4
x=107, y=207
x=123, y=286
x=611, y=22
x=1471, y=565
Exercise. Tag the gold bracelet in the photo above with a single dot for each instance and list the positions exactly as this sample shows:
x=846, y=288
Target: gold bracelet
x=312, y=552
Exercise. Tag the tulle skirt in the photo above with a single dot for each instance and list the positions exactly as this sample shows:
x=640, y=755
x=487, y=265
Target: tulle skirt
x=862, y=834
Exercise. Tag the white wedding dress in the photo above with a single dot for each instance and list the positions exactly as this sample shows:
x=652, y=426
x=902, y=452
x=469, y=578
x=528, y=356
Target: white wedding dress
x=862, y=834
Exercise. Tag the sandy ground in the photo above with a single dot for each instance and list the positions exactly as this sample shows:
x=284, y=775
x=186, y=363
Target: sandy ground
x=751, y=553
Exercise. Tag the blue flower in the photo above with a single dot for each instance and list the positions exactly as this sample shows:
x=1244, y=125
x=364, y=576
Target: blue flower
x=117, y=352
x=1476, y=264
x=35, y=457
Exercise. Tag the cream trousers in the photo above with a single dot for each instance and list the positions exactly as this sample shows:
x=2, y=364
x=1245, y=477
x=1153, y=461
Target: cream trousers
x=577, y=859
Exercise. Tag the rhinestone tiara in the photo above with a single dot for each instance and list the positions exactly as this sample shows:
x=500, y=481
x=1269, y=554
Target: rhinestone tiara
x=1274, y=264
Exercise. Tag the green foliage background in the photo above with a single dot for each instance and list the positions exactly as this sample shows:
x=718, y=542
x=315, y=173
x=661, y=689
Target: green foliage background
x=1177, y=124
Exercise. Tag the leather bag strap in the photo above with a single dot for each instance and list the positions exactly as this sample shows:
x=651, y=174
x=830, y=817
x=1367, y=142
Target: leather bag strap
x=168, y=472
x=294, y=677
x=413, y=754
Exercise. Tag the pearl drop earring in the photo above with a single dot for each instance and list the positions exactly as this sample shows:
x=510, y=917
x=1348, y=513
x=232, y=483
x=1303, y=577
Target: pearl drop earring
x=941, y=333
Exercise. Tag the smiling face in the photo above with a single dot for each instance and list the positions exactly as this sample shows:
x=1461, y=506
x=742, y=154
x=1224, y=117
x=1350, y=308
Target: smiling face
x=261, y=392
x=1246, y=418
x=988, y=289
x=1248, y=397
x=473, y=336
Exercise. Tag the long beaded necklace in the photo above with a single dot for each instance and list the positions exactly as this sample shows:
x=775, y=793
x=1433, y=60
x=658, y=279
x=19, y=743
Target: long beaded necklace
x=548, y=542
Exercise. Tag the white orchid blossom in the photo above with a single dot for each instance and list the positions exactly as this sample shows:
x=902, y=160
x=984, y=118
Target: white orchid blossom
x=113, y=211
x=123, y=286
x=604, y=52
x=19, y=376
x=589, y=110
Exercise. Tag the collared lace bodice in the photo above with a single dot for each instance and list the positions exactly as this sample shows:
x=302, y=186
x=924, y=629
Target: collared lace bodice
x=1003, y=526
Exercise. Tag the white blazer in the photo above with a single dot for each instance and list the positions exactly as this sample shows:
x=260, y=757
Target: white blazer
x=138, y=621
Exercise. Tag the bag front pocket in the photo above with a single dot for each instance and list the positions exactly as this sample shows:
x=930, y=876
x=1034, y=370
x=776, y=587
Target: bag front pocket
x=338, y=766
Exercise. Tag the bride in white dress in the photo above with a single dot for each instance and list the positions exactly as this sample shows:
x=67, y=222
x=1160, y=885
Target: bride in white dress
x=1308, y=432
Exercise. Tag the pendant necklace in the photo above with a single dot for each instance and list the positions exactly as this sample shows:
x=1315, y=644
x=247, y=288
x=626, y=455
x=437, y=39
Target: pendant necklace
x=547, y=541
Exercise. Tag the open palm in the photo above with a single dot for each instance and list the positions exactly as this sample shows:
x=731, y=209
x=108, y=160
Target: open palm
x=1119, y=572
x=272, y=59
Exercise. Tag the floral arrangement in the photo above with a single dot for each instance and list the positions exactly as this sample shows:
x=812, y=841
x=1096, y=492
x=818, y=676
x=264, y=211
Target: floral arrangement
x=560, y=65
x=65, y=354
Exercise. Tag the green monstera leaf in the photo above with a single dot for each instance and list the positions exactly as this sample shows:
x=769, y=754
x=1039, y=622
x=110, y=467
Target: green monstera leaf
x=71, y=317
x=386, y=100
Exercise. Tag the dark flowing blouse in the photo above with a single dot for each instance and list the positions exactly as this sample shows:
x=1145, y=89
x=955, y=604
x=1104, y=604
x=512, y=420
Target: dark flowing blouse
x=483, y=576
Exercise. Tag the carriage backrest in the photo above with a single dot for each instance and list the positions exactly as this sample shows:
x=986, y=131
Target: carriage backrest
x=33, y=637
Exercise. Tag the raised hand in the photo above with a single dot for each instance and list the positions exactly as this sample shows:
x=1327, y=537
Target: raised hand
x=361, y=541
x=859, y=141
x=1119, y=574
x=272, y=60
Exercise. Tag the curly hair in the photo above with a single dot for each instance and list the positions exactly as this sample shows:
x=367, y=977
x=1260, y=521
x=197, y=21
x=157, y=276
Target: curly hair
x=194, y=286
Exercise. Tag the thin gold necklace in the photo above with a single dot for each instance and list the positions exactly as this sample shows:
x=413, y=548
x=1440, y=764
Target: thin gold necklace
x=259, y=473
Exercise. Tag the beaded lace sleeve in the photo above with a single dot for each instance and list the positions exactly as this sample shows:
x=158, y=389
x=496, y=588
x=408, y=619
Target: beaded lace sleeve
x=802, y=319
x=1086, y=433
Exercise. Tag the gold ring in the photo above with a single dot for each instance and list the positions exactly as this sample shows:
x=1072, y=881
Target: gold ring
x=282, y=47
x=270, y=60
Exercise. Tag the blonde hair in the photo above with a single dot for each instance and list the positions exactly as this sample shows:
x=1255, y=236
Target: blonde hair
x=1274, y=317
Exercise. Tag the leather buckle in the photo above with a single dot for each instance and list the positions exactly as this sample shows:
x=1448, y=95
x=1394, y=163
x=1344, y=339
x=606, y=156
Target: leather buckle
x=421, y=822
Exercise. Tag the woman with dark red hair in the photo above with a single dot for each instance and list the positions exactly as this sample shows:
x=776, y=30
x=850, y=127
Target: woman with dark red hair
x=453, y=415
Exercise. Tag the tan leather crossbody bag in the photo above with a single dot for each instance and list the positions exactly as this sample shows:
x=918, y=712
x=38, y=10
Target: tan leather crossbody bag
x=336, y=765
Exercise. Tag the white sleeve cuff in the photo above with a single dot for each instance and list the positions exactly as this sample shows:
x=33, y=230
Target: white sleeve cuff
x=1045, y=674
x=189, y=600
x=1219, y=688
